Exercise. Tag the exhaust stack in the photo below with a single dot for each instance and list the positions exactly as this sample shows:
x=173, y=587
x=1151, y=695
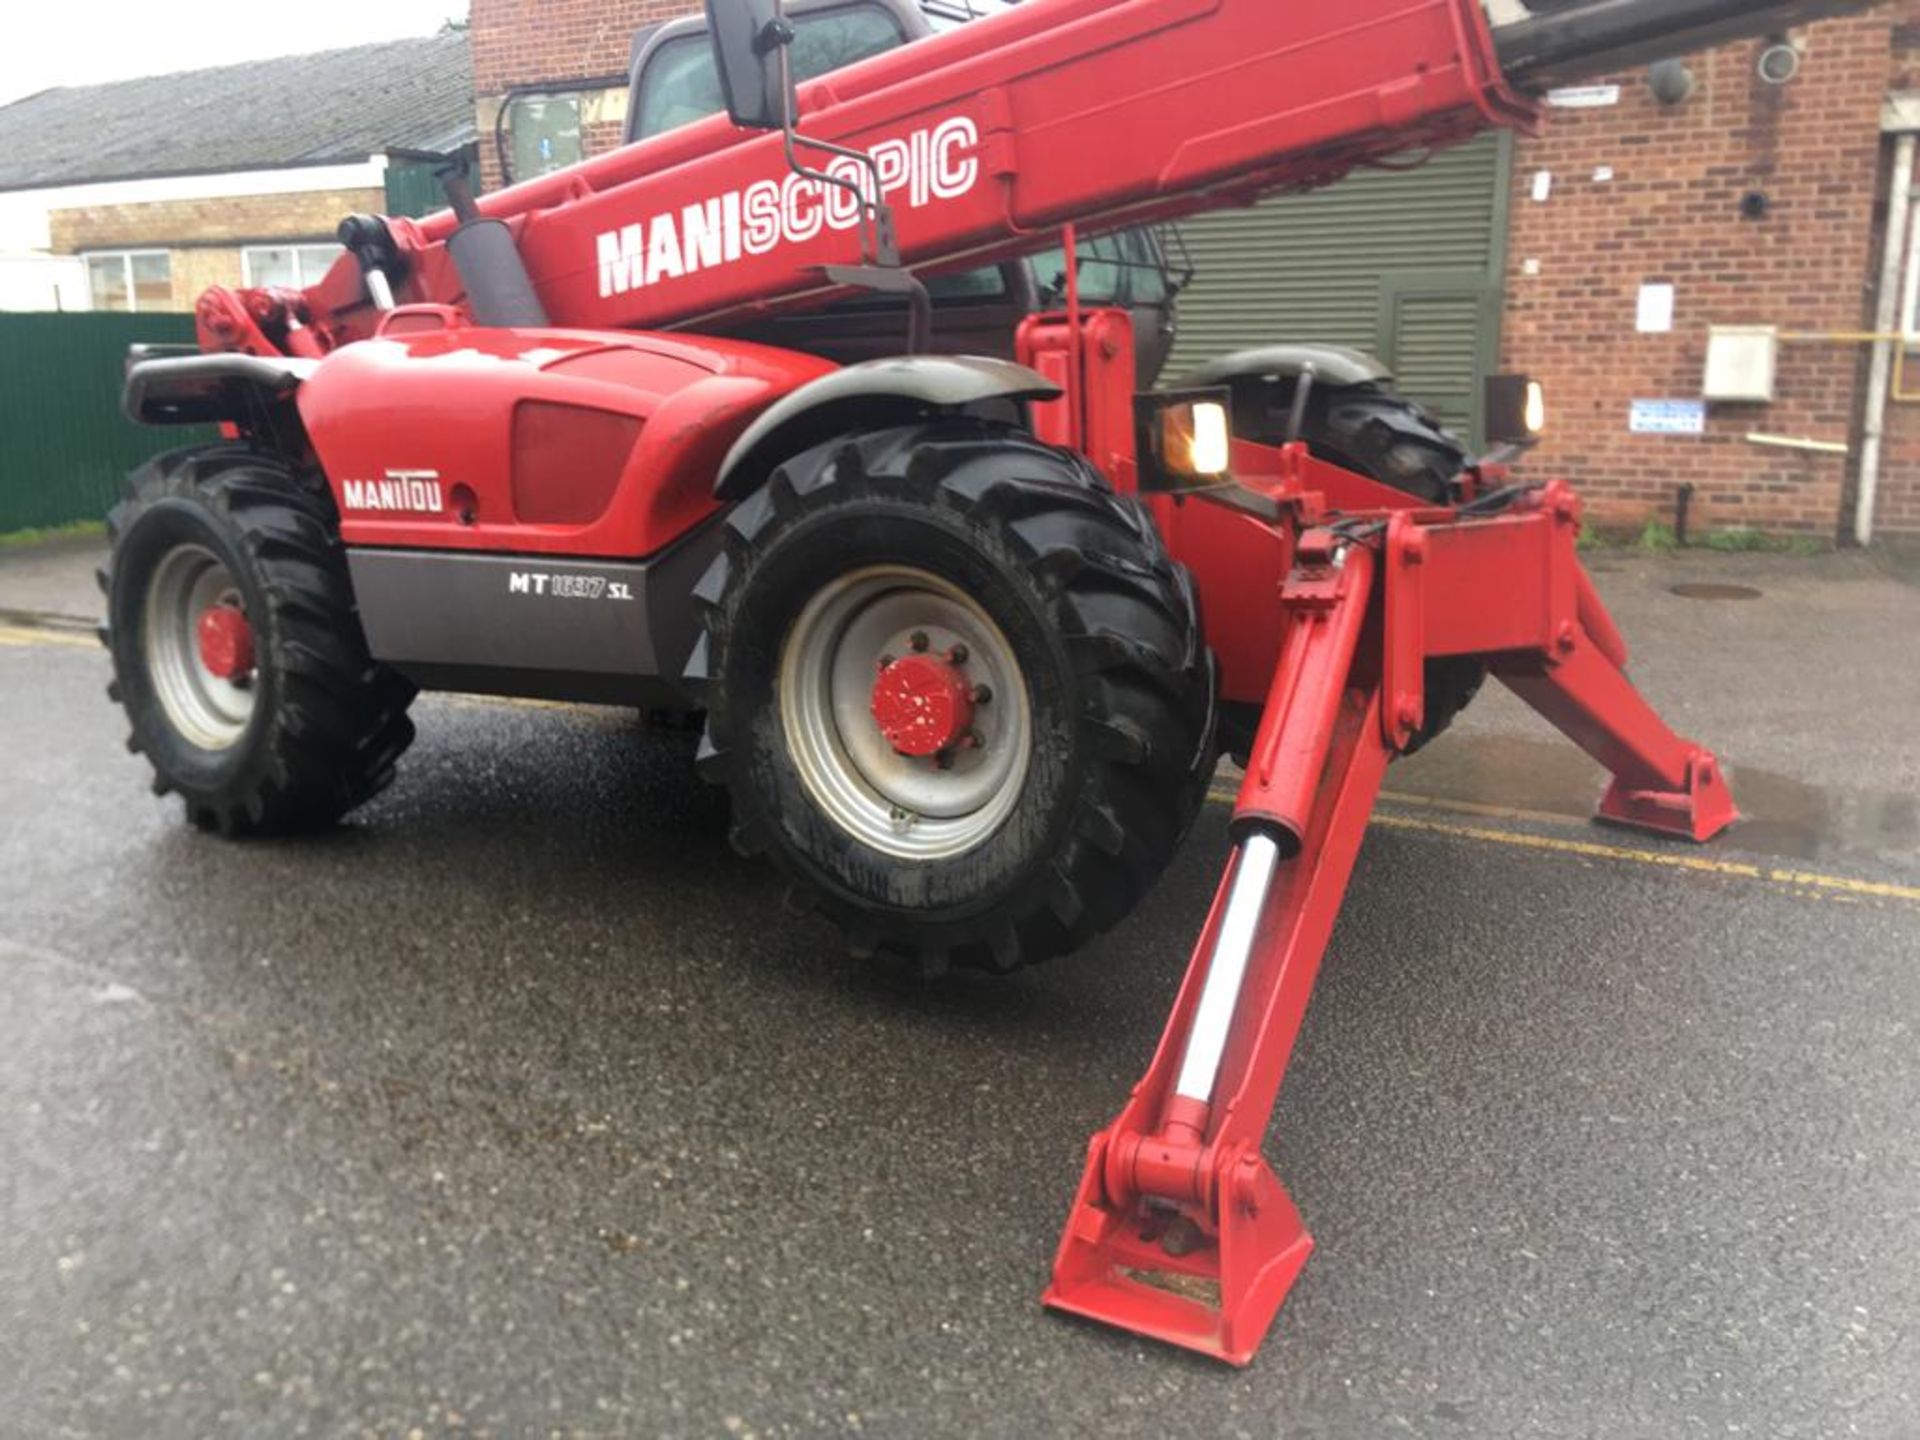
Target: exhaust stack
x=1561, y=43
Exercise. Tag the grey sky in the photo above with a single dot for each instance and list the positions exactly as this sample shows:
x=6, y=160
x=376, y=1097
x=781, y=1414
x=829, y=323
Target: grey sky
x=48, y=45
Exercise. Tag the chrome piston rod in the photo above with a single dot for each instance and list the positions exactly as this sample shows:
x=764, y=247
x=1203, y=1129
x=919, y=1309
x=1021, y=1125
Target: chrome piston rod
x=1253, y=871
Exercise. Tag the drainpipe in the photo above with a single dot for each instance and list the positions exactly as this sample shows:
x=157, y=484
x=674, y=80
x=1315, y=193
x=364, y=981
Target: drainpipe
x=1892, y=267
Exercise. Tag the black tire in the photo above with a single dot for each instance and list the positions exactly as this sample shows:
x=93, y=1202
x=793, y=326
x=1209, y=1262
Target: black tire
x=1374, y=431
x=1104, y=627
x=326, y=723
x=1368, y=428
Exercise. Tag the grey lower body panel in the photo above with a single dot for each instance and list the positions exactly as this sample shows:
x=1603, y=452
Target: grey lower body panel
x=607, y=631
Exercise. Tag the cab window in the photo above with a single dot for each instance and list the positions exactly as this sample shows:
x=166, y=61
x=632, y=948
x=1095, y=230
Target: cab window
x=1119, y=269
x=679, y=85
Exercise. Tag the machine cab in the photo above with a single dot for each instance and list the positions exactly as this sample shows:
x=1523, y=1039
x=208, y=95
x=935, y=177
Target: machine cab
x=975, y=312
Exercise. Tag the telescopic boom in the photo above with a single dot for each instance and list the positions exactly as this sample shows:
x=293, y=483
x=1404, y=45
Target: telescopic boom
x=1095, y=113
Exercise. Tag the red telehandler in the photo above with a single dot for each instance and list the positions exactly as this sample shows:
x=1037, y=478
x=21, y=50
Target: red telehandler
x=967, y=632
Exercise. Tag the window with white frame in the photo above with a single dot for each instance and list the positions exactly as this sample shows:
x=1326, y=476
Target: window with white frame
x=294, y=266
x=130, y=280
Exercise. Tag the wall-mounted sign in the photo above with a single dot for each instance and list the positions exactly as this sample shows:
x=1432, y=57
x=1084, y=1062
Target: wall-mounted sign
x=1654, y=315
x=1668, y=417
x=1584, y=97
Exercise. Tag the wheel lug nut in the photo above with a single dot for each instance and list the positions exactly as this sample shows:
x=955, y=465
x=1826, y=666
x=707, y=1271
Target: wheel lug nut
x=982, y=695
x=957, y=655
x=975, y=741
x=943, y=760
x=885, y=661
x=918, y=640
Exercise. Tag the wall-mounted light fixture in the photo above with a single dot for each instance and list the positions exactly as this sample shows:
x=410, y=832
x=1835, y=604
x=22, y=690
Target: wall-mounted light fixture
x=1671, y=81
x=1780, y=61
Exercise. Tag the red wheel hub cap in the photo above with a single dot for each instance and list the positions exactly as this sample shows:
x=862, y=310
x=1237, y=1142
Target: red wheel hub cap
x=226, y=642
x=923, y=704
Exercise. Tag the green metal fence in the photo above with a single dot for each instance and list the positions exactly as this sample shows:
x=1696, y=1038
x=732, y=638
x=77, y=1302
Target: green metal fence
x=64, y=445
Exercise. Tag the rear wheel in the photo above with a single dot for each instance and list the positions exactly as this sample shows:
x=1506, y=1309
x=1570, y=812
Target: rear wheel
x=1374, y=431
x=237, y=653
x=956, y=689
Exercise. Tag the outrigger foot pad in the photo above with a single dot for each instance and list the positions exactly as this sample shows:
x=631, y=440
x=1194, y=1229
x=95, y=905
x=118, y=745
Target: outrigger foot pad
x=1698, y=813
x=1160, y=1272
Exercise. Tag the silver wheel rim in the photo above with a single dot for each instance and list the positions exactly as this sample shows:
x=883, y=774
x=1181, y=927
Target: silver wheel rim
x=907, y=807
x=207, y=710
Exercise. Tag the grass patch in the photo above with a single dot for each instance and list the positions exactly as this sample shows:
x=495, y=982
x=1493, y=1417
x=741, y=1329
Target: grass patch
x=1756, y=542
x=1657, y=537
x=40, y=535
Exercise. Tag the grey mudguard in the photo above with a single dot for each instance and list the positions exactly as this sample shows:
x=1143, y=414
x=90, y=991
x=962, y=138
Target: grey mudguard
x=195, y=389
x=1334, y=365
x=939, y=381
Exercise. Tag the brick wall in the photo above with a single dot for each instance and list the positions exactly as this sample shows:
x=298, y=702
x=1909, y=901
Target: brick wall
x=521, y=42
x=1671, y=213
x=203, y=237
x=194, y=270
x=306, y=215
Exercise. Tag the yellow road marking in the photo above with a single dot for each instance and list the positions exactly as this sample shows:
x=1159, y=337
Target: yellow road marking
x=1484, y=810
x=1803, y=884
x=1481, y=808
x=1588, y=849
x=1827, y=886
x=23, y=635
x=1874, y=888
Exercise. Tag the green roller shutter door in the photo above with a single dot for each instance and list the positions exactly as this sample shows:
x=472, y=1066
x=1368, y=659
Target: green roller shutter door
x=1404, y=264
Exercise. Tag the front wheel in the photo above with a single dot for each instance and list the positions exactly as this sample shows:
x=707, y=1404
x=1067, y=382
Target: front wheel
x=237, y=652
x=957, y=692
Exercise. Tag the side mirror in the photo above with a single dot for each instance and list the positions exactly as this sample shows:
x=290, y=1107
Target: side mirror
x=747, y=38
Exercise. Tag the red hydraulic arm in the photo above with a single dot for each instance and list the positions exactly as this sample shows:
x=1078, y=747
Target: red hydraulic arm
x=1179, y=1229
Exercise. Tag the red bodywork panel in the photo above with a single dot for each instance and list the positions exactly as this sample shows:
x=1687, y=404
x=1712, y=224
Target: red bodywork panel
x=548, y=442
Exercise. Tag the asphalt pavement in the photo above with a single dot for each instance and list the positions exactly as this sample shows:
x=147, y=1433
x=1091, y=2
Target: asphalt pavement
x=518, y=1105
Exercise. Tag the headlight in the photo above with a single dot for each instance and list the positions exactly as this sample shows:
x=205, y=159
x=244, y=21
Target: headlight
x=1516, y=410
x=1185, y=438
x=1204, y=431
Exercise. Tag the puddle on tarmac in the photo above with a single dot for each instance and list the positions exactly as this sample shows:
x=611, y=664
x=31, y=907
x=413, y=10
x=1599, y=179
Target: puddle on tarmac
x=1783, y=817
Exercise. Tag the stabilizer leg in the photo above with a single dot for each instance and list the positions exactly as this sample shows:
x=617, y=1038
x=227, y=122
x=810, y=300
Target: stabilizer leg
x=1661, y=782
x=1510, y=587
x=1179, y=1230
